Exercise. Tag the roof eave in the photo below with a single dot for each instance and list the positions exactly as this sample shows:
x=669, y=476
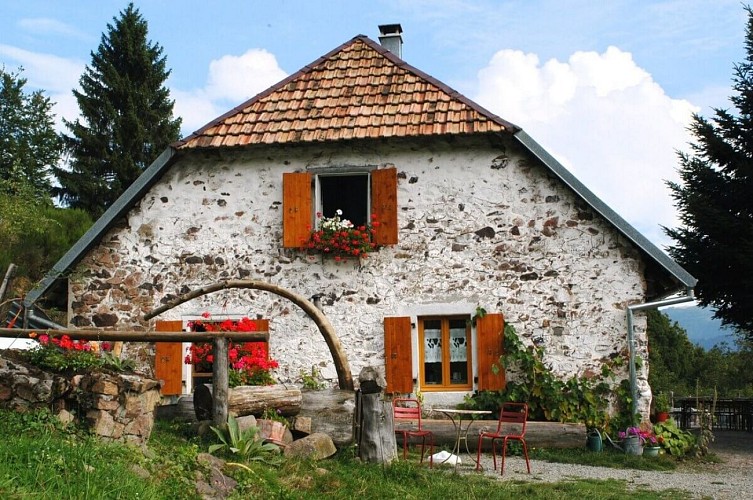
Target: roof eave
x=683, y=277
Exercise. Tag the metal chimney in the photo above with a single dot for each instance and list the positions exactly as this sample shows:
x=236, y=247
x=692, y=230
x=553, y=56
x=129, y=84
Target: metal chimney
x=389, y=37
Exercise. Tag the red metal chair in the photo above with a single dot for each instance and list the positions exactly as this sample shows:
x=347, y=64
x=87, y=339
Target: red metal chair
x=406, y=410
x=511, y=426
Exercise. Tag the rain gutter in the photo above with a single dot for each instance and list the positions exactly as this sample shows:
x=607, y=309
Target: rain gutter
x=688, y=297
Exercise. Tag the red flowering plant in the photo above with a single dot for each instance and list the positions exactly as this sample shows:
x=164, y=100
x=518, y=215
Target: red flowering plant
x=340, y=238
x=249, y=362
x=62, y=354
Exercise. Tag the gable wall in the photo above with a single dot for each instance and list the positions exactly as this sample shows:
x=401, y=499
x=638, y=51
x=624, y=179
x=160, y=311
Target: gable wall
x=479, y=225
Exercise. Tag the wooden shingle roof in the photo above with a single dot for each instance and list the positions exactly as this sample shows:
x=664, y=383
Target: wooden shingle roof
x=359, y=90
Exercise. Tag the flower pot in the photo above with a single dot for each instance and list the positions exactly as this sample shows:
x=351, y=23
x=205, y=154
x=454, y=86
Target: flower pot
x=651, y=451
x=272, y=430
x=632, y=445
x=662, y=416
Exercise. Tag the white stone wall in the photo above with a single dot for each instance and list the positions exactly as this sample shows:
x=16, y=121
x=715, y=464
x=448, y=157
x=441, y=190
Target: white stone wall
x=479, y=225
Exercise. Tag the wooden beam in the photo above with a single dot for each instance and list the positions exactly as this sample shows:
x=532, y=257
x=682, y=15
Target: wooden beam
x=136, y=336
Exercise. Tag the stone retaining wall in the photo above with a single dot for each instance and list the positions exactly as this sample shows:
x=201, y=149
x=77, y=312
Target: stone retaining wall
x=115, y=406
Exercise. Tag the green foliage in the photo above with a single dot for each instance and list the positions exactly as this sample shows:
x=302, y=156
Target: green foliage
x=245, y=444
x=577, y=399
x=126, y=117
x=50, y=357
x=674, y=440
x=714, y=203
x=661, y=402
x=313, y=380
x=29, y=145
x=275, y=415
x=677, y=366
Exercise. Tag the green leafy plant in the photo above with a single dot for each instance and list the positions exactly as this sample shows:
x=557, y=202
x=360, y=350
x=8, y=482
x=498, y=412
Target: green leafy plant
x=246, y=444
x=674, y=440
x=276, y=415
x=312, y=380
x=577, y=399
x=661, y=402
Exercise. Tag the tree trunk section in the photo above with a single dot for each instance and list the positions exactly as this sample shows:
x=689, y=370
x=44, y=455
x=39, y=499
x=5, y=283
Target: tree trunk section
x=220, y=386
x=249, y=400
x=377, y=431
x=331, y=412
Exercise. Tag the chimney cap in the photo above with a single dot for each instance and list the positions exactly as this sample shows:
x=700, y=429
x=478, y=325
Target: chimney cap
x=390, y=29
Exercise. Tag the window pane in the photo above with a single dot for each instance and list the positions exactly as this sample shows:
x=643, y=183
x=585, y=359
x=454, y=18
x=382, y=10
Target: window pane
x=433, y=352
x=348, y=193
x=458, y=352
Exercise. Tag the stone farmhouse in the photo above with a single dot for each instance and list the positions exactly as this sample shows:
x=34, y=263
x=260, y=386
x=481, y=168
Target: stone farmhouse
x=472, y=213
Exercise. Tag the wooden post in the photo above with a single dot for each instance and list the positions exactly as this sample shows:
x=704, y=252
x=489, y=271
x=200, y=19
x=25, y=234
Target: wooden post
x=376, y=441
x=220, y=386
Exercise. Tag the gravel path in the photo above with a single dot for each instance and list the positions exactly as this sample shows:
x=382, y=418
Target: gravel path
x=733, y=478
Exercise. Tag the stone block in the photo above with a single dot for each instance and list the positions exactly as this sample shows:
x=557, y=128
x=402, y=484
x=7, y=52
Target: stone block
x=105, y=387
x=317, y=446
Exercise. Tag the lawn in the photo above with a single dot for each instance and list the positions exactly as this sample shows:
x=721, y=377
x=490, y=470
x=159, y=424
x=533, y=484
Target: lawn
x=39, y=459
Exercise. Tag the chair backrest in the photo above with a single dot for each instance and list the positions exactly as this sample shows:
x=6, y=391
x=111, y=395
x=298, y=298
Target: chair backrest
x=406, y=409
x=513, y=417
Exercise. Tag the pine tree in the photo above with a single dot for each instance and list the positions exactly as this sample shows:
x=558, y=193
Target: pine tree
x=127, y=117
x=715, y=203
x=29, y=145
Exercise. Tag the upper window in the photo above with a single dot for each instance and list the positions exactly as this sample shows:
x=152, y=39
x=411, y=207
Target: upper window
x=348, y=193
x=358, y=195
x=445, y=353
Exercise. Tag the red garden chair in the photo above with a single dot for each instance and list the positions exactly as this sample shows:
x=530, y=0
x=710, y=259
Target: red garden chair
x=409, y=410
x=511, y=426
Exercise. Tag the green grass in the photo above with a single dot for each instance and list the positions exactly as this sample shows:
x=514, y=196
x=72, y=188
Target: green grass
x=39, y=459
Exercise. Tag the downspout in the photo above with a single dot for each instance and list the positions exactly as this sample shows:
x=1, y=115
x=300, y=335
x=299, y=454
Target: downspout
x=688, y=297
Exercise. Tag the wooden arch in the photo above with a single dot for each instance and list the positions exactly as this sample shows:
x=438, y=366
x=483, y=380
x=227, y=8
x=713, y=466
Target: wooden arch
x=344, y=377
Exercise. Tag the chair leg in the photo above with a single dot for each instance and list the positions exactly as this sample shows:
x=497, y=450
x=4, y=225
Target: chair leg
x=405, y=446
x=525, y=453
x=478, y=453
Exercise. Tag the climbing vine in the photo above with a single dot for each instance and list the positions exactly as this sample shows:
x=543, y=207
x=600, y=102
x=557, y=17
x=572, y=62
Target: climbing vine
x=576, y=399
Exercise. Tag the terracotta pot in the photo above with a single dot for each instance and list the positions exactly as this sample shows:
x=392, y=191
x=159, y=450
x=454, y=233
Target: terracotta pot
x=662, y=416
x=272, y=430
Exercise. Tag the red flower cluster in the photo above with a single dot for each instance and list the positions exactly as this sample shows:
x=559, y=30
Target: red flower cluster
x=65, y=343
x=249, y=362
x=340, y=238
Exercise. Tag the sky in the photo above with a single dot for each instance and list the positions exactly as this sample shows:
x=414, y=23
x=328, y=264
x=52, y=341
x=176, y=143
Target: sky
x=608, y=88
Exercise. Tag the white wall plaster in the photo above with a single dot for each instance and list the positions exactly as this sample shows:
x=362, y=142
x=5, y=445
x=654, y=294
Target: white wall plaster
x=554, y=268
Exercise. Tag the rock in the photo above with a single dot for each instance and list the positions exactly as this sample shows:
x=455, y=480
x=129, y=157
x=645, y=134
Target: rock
x=245, y=422
x=317, y=446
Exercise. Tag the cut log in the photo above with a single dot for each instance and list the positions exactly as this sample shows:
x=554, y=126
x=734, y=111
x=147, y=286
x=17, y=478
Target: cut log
x=331, y=412
x=249, y=400
x=377, y=433
x=538, y=434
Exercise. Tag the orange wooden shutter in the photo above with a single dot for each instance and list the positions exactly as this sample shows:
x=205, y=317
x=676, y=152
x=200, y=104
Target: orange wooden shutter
x=384, y=205
x=262, y=325
x=490, y=331
x=168, y=360
x=296, y=206
x=397, y=355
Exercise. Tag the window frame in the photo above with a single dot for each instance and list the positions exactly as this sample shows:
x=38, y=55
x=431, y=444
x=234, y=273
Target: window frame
x=318, y=205
x=446, y=385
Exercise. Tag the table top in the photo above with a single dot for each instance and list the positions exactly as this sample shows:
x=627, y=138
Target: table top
x=463, y=412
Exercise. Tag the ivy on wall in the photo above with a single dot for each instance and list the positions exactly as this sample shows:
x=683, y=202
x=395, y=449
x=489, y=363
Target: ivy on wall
x=595, y=401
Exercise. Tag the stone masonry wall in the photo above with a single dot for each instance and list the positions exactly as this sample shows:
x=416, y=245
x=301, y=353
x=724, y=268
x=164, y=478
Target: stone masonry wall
x=115, y=406
x=480, y=224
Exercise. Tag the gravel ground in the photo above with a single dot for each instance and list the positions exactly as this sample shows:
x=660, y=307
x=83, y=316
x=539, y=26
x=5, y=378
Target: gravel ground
x=733, y=478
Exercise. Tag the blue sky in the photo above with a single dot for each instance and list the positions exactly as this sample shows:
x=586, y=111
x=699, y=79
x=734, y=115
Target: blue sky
x=607, y=87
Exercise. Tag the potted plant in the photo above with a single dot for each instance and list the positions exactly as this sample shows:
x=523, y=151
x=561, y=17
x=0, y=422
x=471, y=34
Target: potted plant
x=632, y=440
x=661, y=407
x=651, y=444
x=272, y=426
x=340, y=238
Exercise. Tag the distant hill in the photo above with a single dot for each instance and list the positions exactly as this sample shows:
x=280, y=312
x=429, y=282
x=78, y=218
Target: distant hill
x=703, y=330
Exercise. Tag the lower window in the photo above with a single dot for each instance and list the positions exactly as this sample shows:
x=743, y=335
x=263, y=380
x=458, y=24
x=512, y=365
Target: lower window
x=445, y=350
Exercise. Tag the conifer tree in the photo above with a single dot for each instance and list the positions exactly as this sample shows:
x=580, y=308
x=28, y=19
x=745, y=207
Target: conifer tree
x=127, y=117
x=715, y=203
x=29, y=145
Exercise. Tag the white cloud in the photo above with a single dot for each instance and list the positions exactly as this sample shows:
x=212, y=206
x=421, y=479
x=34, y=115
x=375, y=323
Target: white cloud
x=602, y=117
x=47, y=26
x=231, y=81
